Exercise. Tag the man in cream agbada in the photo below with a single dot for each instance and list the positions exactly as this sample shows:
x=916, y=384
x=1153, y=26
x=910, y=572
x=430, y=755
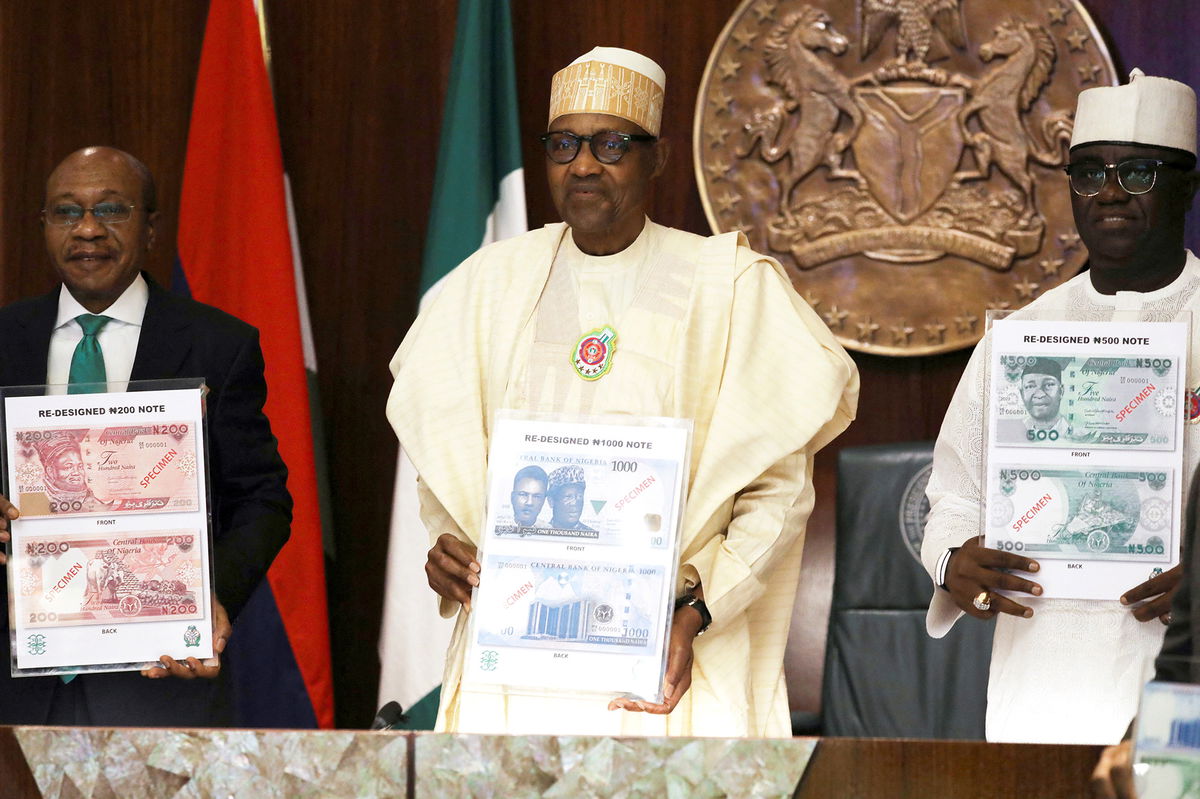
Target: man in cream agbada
x=696, y=328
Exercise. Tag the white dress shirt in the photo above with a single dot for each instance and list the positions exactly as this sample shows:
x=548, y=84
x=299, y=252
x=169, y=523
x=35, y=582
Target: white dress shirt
x=118, y=339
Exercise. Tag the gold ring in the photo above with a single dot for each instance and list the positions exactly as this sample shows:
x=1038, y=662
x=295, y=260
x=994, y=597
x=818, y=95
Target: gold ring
x=982, y=601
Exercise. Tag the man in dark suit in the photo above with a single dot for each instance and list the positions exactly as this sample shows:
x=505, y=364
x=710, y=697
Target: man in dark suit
x=98, y=223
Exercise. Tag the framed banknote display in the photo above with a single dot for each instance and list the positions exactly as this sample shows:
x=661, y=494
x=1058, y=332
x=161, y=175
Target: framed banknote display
x=578, y=554
x=1084, y=469
x=1166, y=756
x=109, y=566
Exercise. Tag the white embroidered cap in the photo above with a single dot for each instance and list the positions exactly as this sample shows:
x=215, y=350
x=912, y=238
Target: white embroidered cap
x=1159, y=112
x=610, y=80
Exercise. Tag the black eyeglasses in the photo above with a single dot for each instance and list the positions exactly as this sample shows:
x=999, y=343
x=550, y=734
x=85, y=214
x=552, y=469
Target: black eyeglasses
x=1135, y=176
x=608, y=147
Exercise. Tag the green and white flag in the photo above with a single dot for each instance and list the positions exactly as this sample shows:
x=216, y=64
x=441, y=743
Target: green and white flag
x=478, y=198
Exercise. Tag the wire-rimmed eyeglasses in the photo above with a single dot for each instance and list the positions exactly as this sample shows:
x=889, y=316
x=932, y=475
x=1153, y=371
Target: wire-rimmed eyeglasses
x=1135, y=175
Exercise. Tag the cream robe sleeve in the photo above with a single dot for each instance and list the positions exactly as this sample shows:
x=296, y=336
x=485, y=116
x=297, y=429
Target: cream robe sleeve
x=437, y=521
x=777, y=344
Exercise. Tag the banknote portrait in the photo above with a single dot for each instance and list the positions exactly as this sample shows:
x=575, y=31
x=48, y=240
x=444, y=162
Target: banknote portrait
x=566, y=488
x=1041, y=391
x=528, y=495
x=63, y=477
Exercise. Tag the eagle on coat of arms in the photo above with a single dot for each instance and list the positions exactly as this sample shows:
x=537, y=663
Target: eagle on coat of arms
x=918, y=19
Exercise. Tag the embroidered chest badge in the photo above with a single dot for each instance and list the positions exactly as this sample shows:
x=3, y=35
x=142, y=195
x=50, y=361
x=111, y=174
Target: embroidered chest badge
x=593, y=353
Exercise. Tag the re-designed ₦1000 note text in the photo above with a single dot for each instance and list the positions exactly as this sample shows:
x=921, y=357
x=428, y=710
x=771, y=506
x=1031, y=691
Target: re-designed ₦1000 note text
x=1086, y=401
x=138, y=468
x=68, y=580
x=565, y=605
x=1082, y=513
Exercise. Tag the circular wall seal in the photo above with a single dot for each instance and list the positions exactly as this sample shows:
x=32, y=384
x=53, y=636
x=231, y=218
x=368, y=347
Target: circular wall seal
x=914, y=511
x=878, y=149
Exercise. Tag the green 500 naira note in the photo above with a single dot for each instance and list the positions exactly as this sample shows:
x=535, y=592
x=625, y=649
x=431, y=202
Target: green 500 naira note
x=1094, y=402
x=1082, y=514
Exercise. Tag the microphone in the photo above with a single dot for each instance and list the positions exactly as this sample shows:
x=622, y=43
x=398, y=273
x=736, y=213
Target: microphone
x=389, y=717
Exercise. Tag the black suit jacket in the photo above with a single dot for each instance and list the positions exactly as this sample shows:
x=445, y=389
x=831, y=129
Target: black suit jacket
x=251, y=508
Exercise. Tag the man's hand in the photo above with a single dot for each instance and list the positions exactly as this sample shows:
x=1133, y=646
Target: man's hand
x=1113, y=776
x=975, y=569
x=192, y=668
x=7, y=511
x=1160, y=591
x=678, y=678
x=452, y=569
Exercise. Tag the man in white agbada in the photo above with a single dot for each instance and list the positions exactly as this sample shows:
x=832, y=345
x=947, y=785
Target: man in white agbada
x=1071, y=671
x=705, y=329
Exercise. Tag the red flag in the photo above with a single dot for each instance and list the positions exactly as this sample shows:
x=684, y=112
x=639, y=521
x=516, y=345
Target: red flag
x=236, y=251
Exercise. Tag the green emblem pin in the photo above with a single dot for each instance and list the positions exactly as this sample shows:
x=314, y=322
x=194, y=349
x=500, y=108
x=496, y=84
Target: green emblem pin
x=593, y=353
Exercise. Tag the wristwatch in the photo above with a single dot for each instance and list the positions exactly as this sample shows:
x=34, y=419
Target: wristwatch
x=697, y=603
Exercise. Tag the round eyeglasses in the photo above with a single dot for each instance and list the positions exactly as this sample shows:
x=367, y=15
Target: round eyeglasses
x=608, y=147
x=106, y=213
x=1135, y=176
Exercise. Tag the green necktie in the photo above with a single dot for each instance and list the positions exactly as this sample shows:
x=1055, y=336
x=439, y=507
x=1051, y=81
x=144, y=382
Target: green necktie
x=87, y=364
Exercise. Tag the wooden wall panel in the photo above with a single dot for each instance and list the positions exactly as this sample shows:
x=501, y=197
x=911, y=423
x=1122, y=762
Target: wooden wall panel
x=73, y=75
x=359, y=90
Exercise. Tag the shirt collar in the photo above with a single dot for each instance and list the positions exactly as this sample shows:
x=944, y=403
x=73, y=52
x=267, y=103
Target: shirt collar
x=1191, y=271
x=129, y=308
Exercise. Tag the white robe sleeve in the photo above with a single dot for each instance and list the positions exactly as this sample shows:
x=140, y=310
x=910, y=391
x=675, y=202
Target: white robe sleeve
x=955, y=495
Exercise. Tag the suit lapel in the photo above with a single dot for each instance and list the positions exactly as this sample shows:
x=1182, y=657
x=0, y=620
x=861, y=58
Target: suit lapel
x=27, y=361
x=161, y=347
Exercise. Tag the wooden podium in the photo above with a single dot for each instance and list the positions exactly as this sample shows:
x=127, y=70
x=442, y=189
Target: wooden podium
x=45, y=762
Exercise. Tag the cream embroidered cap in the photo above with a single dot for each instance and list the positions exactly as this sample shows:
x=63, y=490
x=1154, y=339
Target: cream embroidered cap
x=1159, y=112
x=609, y=80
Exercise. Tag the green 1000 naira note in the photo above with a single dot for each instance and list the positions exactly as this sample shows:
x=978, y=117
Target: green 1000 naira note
x=1082, y=514
x=1094, y=402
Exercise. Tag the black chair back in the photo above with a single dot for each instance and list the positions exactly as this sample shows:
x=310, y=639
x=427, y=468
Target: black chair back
x=884, y=675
